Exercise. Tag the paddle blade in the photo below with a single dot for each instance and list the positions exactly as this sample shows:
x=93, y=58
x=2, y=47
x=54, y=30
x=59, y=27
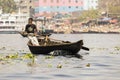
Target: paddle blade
x=85, y=48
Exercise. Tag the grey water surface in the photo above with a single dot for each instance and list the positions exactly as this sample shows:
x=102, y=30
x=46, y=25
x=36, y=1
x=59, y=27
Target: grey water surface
x=102, y=62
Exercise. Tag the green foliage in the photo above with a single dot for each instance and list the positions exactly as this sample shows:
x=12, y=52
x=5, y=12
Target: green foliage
x=117, y=48
x=59, y=65
x=49, y=57
x=8, y=6
x=12, y=56
x=91, y=14
x=113, y=9
x=110, y=6
x=5, y=59
x=28, y=56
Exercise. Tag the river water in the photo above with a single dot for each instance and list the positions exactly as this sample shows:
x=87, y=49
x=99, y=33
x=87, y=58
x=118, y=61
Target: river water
x=102, y=62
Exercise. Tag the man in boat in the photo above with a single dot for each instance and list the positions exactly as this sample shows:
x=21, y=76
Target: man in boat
x=31, y=30
x=30, y=27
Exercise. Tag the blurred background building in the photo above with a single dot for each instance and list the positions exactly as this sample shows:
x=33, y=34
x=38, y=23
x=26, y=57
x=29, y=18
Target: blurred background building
x=25, y=7
x=63, y=6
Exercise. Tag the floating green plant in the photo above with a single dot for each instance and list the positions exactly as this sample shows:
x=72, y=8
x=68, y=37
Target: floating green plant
x=28, y=56
x=88, y=65
x=49, y=57
x=16, y=57
x=114, y=53
x=12, y=56
x=98, y=48
x=49, y=65
x=103, y=48
x=59, y=65
x=117, y=48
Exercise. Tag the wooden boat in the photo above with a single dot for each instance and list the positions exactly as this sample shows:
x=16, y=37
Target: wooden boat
x=49, y=46
x=24, y=34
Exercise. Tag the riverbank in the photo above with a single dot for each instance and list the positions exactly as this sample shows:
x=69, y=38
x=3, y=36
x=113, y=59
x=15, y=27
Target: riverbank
x=79, y=28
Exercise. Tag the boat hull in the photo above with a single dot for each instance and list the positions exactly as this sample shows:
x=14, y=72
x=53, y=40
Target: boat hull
x=70, y=47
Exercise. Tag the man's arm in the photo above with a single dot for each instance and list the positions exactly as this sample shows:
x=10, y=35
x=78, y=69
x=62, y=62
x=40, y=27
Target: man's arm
x=26, y=28
x=35, y=30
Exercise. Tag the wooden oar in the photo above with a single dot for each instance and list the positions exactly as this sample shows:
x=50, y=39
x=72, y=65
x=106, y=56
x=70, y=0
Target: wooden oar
x=85, y=48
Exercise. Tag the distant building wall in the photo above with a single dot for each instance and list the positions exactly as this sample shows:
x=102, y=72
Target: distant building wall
x=26, y=6
x=90, y=4
x=58, y=6
x=63, y=5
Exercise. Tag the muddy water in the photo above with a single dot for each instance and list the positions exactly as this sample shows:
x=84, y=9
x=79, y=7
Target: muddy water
x=100, y=63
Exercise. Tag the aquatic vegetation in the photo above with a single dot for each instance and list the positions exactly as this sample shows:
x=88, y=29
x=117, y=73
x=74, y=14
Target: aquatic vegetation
x=28, y=56
x=98, y=48
x=50, y=65
x=12, y=56
x=4, y=59
x=29, y=60
x=103, y=48
x=114, y=53
x=49, y=57
x=88, y=65
x=31, y=64
x=59, y=65
x=117, y=48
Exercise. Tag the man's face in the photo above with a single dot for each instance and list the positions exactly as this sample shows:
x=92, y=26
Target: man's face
x=30, y=21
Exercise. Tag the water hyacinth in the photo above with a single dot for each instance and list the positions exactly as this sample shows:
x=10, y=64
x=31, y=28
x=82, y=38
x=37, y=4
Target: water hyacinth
x=28, y=56
x=88, y=65
x=12, y=56
x=1, y=58
x=49, y=57
x=16, y=57
x=59, y=65
x=114, y=53
x=50, y=65
x=103, y=48
x=117, y=48
x=94, y=48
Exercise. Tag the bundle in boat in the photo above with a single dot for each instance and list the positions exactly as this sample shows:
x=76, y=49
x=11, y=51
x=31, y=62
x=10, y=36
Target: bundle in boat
x=25, y=34
x=45, y=47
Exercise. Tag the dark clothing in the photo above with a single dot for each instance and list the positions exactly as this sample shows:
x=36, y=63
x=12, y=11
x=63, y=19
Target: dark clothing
x=30, y=28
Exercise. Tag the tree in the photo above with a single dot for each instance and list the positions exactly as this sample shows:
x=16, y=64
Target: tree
x=8, y=6
x=110, y=6
x=91, y=14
